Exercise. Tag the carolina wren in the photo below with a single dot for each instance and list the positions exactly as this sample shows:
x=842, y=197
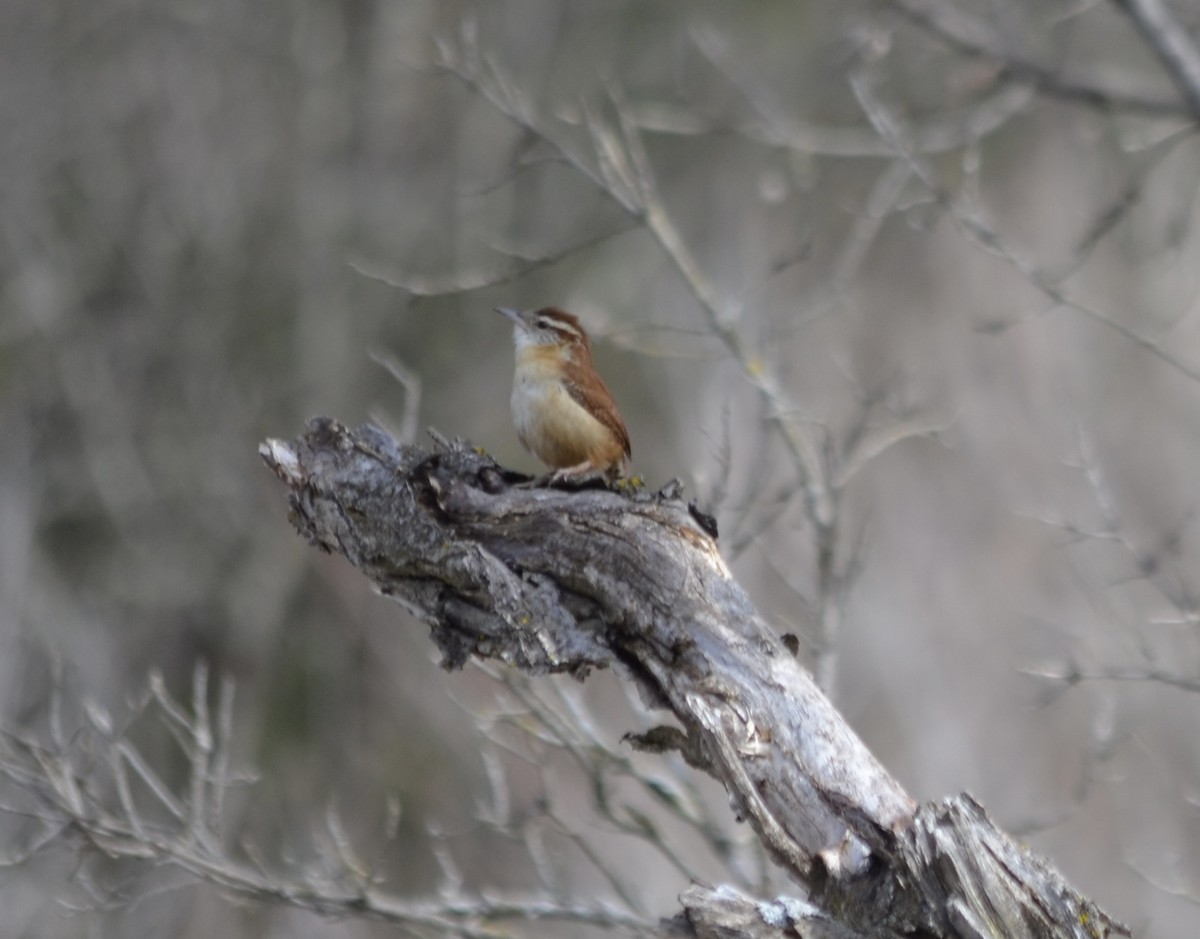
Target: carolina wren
x=565, y=414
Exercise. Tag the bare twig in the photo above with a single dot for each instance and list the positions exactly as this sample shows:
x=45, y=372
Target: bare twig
x=69, y=802
x=985, y=236
x=1071, y=674
x=558, y=720
x=1171, y=43
x=410, y=381
x=961, y=32
x=773, y=125
x=519, y=264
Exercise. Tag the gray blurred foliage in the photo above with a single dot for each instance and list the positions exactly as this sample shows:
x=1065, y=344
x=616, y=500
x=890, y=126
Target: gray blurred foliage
x=960, y=238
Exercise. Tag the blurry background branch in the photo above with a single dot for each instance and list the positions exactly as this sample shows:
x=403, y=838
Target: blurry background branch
x=974, y=36
x=96, y=789
x=1166, y=35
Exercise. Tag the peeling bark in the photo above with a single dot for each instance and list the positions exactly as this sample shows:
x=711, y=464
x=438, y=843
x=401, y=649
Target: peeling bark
x=556, y=580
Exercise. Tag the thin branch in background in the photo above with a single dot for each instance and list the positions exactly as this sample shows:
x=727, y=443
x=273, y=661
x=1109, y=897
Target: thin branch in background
x=760, y=461
x=714, y=501
x=1150, y=565
x=549, y=872
x=773, y=126
x=1071, y=674
x=462, y=58
x=337, y=837
x=1151, y=568
x=69, y=790
x=222, y=780
x=391, y=832
x=1190, y=894
x=451, y=882
x=553, y=715
x=1128, y=198
x=200, y=754
x=1171, y=43
x=799, y=595
x=410, y=381
x=607, y=871
x=520, y=263
x=673, y=784
x=52, y=831
x=1101, y=747
x=872, y=445
x=963, y=33
x=498, y=812
x=990, y=110
x=762, y=513
x=158, y=788
x=982, y=234
x=881, y=201
x=678, y=795
x=634, y=337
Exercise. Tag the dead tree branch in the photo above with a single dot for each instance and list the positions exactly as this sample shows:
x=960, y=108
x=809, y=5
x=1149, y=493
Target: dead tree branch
x=547, y=580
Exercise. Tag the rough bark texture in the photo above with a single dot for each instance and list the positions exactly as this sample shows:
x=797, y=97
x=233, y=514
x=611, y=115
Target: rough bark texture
x=549, y=580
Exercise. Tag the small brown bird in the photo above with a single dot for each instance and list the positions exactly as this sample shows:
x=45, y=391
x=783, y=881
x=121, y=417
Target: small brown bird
x=565, y=414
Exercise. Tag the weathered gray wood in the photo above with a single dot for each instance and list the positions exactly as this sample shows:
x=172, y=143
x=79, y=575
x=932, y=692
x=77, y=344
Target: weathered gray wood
x=554, y=580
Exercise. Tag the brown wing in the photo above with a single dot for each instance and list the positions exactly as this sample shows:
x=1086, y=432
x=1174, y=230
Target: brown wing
x=598, y=401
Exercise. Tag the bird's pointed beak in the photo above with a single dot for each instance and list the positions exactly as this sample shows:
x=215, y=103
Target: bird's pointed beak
x=512, y=315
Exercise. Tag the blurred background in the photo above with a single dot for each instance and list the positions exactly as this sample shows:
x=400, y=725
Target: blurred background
x=955, y=245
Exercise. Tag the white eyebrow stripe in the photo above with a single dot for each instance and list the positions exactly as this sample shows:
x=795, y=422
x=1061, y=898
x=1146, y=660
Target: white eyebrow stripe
x=562, y=326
